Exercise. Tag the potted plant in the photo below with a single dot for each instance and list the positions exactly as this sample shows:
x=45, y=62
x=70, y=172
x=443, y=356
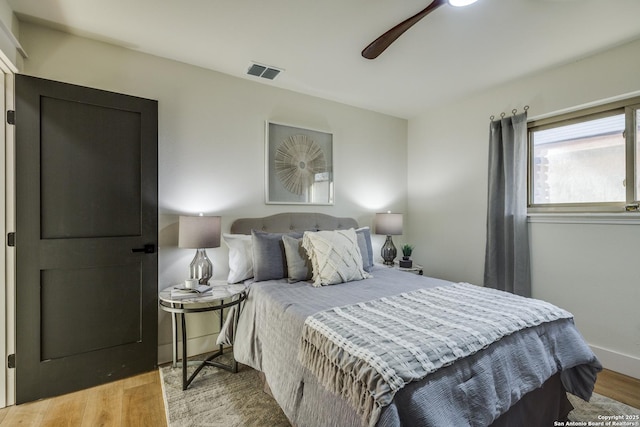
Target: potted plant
x=406, y=262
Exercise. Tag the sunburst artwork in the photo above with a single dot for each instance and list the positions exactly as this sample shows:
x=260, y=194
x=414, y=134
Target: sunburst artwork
x=298, y=160
x=299, y=165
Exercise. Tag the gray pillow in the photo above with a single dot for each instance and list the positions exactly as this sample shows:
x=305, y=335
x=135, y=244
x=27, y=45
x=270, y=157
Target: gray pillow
x=298, y=262
x=269, y=260
x=366, y=249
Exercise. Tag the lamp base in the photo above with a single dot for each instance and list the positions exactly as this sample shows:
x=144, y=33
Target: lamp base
x=388, y=251
x=201, y=267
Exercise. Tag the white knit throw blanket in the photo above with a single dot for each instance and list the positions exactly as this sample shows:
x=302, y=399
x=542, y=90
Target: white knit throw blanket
x=366, y=352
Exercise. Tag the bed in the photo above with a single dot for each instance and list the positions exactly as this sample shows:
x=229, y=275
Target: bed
x=520, y=378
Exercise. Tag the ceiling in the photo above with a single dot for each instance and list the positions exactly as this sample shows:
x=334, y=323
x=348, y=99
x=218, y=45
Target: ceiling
x=450, y=54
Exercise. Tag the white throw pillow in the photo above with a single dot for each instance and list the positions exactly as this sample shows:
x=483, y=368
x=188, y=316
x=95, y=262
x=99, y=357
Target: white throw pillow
x=335, y=256
x=240, y=257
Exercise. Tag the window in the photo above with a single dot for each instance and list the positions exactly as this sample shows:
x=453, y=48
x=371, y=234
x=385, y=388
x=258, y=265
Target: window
x=586, y=161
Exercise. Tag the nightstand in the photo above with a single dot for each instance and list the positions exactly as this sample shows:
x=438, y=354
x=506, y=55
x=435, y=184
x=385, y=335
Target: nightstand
x=222, y=295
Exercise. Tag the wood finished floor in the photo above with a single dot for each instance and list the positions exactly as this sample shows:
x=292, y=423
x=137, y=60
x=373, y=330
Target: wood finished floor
x=619, y=387
x=138, y=402
x=132, y=402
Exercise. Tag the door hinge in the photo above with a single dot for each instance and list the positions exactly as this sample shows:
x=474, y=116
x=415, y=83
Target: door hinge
x=11, y=117
x=11, y=239
x=11, y=361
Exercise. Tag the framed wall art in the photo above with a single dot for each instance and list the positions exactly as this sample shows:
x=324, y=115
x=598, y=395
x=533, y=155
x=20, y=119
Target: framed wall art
x=299, y=165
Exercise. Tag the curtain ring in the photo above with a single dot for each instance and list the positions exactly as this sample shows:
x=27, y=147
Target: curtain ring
x=514, y=111
x=502, y=115
x=492, y=117
x=526, y=107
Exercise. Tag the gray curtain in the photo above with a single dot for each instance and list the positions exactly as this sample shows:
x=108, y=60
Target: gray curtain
x=507, y=252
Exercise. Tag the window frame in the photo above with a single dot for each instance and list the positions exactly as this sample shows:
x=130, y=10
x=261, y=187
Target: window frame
x=629, y=107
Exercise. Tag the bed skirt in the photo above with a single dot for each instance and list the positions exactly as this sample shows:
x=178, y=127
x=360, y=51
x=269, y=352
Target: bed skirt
x=540, y=407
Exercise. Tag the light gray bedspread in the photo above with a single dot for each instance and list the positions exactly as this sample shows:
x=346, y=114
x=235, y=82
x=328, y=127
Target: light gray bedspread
x=472, y=392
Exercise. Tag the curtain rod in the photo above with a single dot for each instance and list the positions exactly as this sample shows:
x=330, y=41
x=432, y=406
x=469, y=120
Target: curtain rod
x=514, y=111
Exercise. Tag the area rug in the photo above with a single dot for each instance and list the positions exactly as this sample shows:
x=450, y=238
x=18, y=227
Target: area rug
x=603, y=409
x=220, y=398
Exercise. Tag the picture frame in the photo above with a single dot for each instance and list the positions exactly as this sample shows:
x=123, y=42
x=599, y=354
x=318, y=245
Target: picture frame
x=299, y=165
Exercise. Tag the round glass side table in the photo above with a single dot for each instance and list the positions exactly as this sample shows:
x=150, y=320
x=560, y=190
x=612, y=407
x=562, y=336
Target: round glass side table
x=222, y=295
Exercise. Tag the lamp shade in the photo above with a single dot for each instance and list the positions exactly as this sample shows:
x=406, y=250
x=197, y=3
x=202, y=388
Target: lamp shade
x=198, y=232
x=389, y=224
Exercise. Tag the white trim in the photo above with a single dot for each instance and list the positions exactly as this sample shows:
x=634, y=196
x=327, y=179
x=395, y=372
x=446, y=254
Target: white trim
x=618, y=362
x=3, y=248
x=585, y=218
x=6, y=65
x=7, y=254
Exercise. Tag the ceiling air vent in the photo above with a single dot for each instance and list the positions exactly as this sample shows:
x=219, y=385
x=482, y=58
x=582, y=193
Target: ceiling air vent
x=264, y=71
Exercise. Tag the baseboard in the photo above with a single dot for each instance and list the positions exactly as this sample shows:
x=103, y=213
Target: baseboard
x=195, y=346
x=621, y=363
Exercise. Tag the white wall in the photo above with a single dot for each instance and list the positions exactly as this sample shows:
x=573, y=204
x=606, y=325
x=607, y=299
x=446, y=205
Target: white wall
x=211, y=143
x=589, y=269
x=11, y=24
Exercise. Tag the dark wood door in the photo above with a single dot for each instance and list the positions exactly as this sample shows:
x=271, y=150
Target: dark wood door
x=86, y=233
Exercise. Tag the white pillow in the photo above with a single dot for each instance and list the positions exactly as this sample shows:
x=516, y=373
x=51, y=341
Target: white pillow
x=335, y=256
x=240, y=257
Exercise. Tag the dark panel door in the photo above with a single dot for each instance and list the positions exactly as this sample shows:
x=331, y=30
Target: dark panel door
x=86, y=233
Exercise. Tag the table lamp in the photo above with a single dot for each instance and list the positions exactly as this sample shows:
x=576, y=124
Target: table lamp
x=389, y=224
x=199, y=232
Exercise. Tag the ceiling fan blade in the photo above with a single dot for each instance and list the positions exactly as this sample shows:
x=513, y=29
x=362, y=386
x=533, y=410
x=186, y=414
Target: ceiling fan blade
x=384, y=41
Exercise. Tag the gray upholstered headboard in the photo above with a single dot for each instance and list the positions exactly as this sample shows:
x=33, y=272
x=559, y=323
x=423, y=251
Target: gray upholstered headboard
x=292, y=221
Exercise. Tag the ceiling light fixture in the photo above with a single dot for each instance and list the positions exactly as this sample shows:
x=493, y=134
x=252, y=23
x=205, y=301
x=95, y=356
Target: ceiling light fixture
x=461, y=3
